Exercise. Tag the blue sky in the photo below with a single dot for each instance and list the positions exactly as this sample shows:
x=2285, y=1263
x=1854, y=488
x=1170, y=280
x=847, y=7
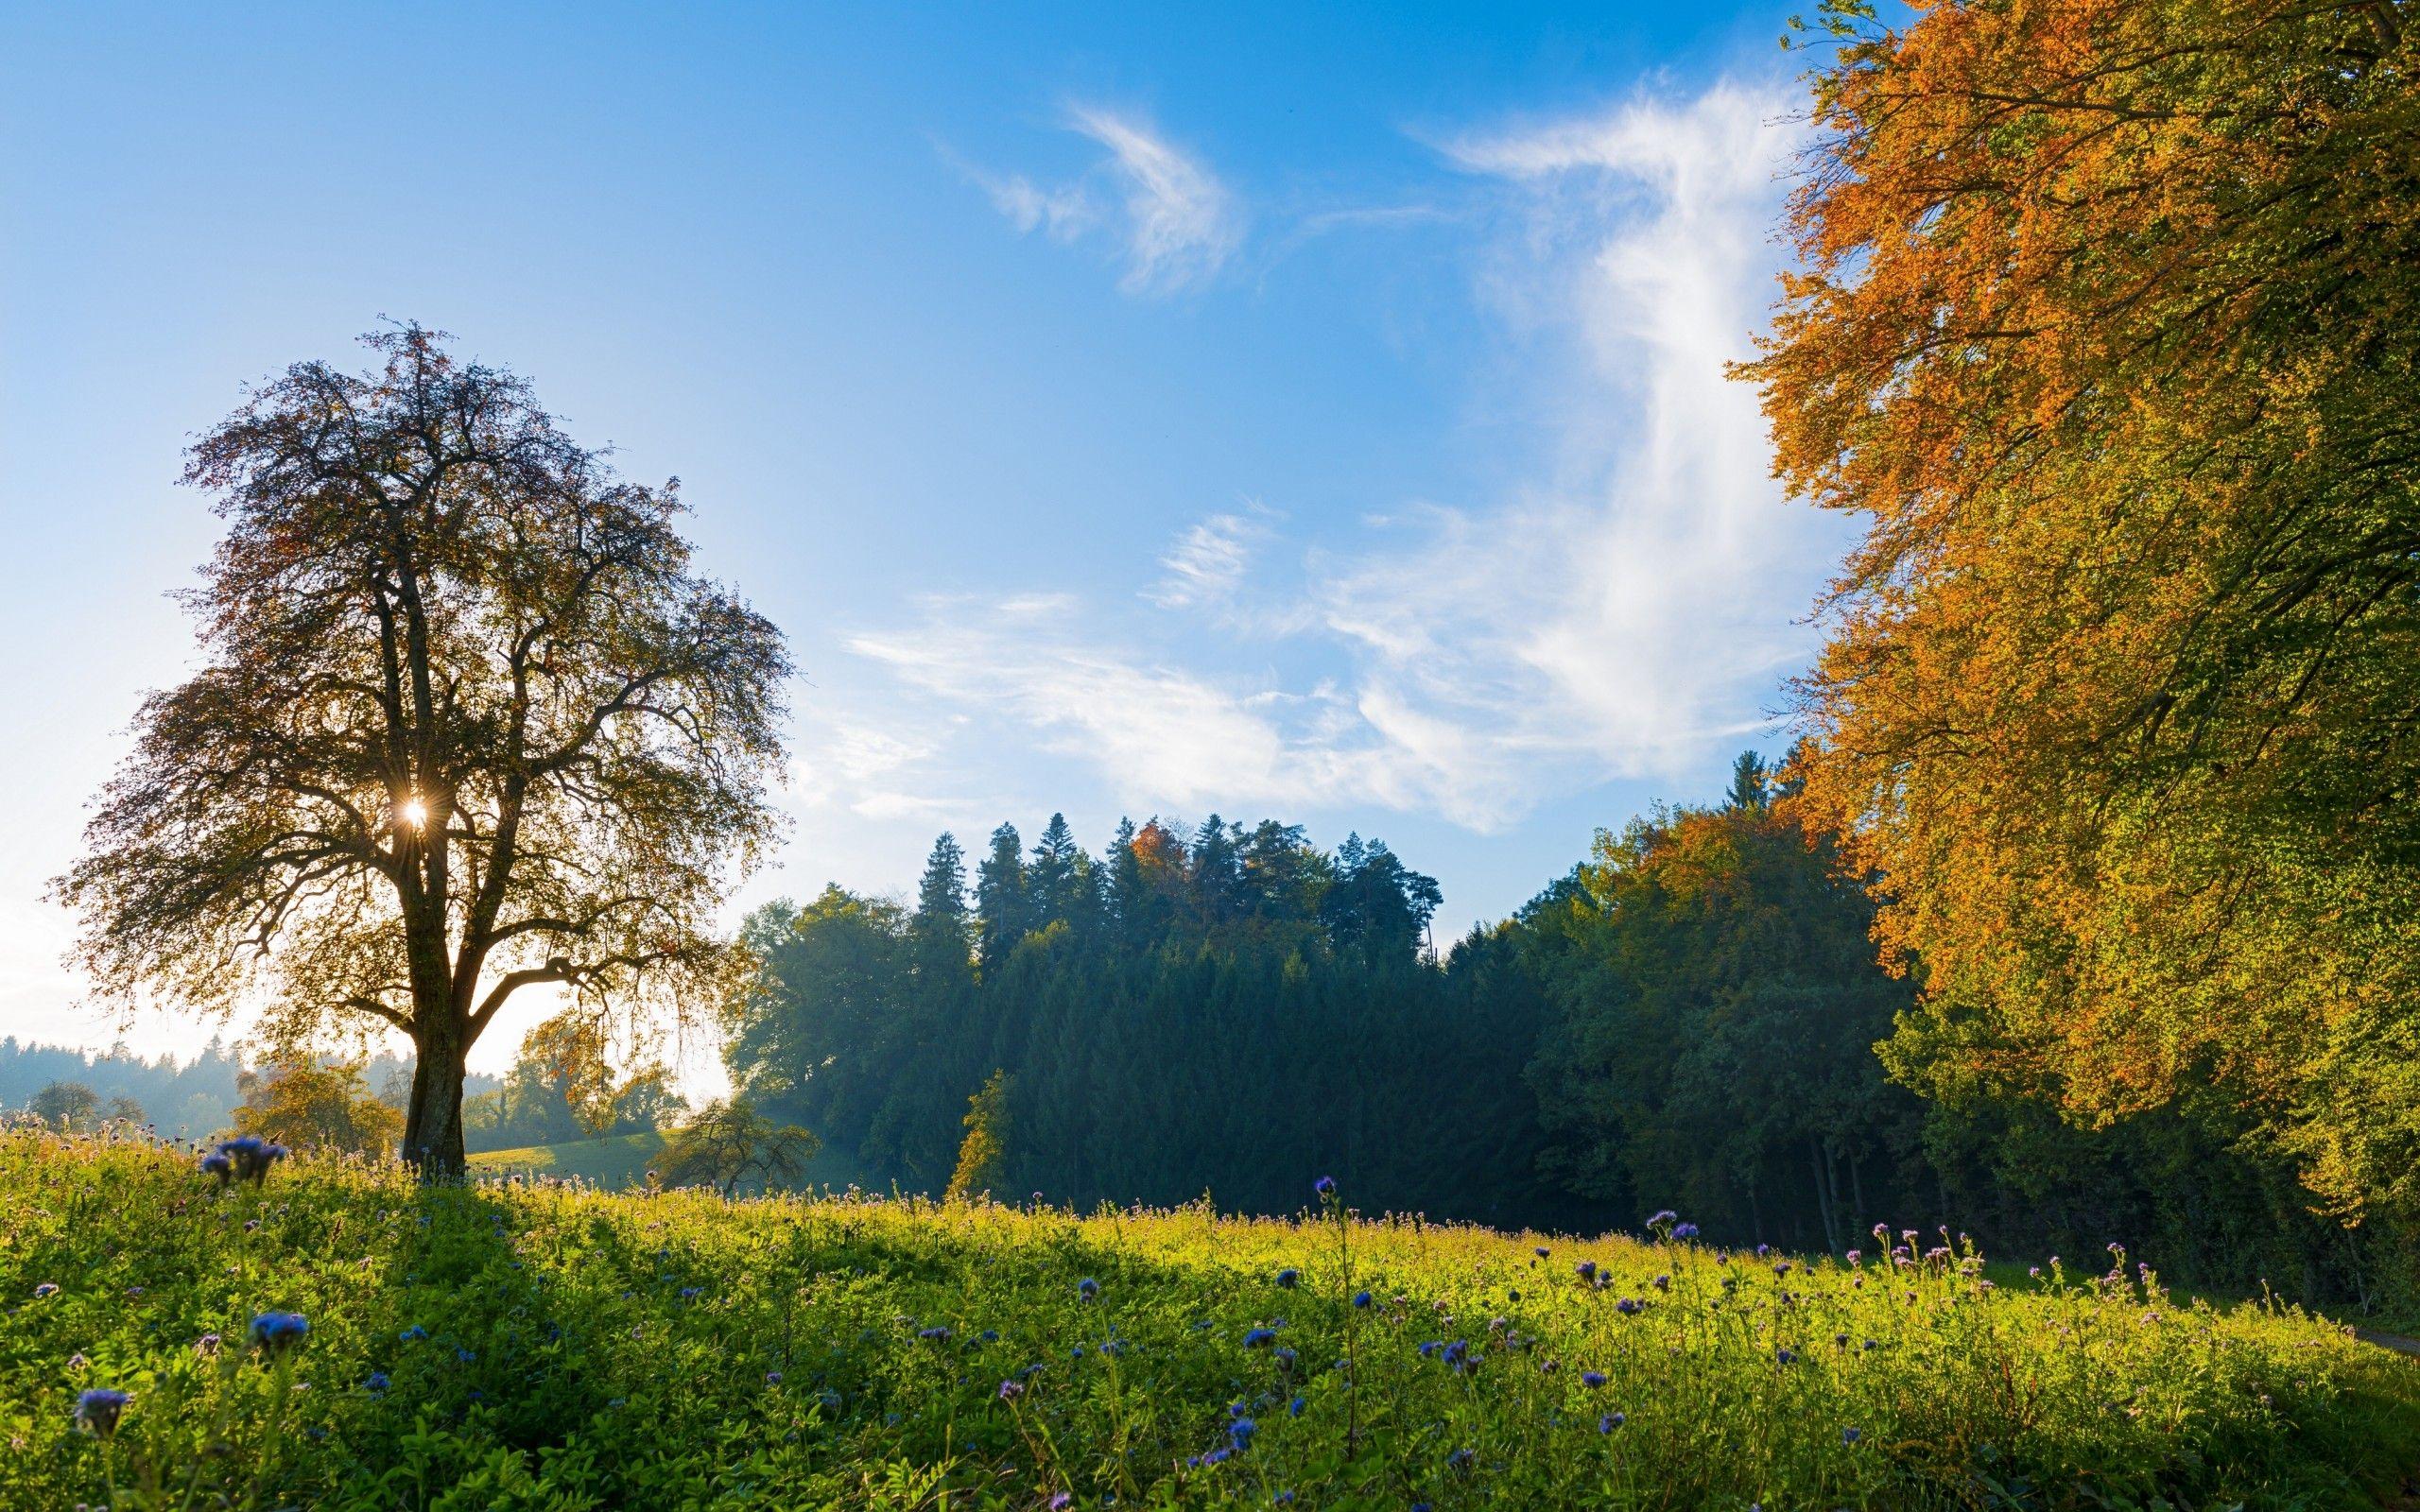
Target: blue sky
x=1270, y=410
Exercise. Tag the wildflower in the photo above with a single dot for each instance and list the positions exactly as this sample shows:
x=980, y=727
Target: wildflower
x=1781, y=1269
x=1663, y=1283
x=275, y=1334
x=2034, y=1271
x=1361, y=1298
x=1259, y=1338
x=1325, y=1187
x=1294, y=1408
x=1289, y=1278
x=1240, y=1432
x=1011, y=1390
x=463, y=1356
x=376, y=1383
x=219, y=1167
x=1592, y=1379
x=1087, y=1289
x=1460, y=1459
x=415, y=1332
x=1062, y=1500
x=1542, y=1251
x=1784, y=1357
x=1850, y=1435
x=1611, y=1421
x=1685, y=1230
x=1662, y=1219
x=97, y=1410
x=46, y=1289
x=251, y=1156
x=990, y=1335
x=937, y=1333
x=1285, y=1357
x=690, y=1293
x=206, y=1346
x=1629, y=1305
x=1283, y=1497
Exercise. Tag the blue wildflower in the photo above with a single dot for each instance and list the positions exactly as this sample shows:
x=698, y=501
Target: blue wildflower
x=1544, y=1252
x=1586, y=1270
x=97, y=1410
x=277, y=1333
x=376, y=1383
x=1294, y=1408
x=463, y=1356
x=773, y=1378
x=1283, y=1497
x=1361, y=1298
x=1460, y=1459
x=1592, y=1379
x=1011, y=1390
x=1850, y=1435
x=46, y=1289
x=1685, y=1230
x=415, y=1332
x=1629, y=1305
x=1784, y=1357
x=1259, y=1338
x=1087, y=1289
x=1325, y=1187
x=1611, y=1421
x=1240, y=1432
x=937, y=1333
x=1285, y=1357
x=219, y=1167
x=1289, y=1278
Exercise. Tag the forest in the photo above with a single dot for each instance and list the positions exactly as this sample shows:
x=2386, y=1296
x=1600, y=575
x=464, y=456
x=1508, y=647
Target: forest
x=1692, y=1017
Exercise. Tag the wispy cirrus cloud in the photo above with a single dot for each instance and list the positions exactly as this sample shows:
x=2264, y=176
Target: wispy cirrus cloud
x=1625, y=607
x=1175, y=221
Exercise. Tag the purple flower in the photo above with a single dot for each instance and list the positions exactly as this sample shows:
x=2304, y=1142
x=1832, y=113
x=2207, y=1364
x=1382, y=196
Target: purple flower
x=1784, y=1357
x=1611, y=1421
x=1629, y=1305
x=376, y=1383
x=1259, y=1338
x=1240, y=1432
x=1685, y=1230
x=1854, y=1256
x=97, y=1410
x=1460, y=1459
x=1586, y=1270
x=1361, y=1298
x=1544, y=1251
x=1850, y=1435
x=46, y=1289
x=1592, y=1379
x=219, y=1167
x=1011, y=1390
x=1087, y=1289
x=1325, y=1187
x=937, y=1333
x=1289, y=1278
x=773, y=1378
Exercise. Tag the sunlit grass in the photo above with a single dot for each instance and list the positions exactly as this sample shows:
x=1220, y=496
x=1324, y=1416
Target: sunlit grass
x=545, y=1344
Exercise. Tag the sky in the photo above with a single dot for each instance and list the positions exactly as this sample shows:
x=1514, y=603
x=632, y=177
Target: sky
x=1308, y=412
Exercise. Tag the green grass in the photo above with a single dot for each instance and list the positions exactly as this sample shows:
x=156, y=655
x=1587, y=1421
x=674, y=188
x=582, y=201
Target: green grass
x=621, y=1160
x=624, y=1161
x=542, y=1345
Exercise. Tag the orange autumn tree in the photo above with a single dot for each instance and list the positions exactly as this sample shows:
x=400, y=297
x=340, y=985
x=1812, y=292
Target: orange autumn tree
x=2107, y=324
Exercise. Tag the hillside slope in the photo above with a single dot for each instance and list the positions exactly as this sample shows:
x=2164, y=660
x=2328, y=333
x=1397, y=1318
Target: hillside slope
x=542, y=1344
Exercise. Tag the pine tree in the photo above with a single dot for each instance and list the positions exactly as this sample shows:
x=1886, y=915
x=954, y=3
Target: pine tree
x=1002, y=898
x=1218, y=872
x=1050, y=880
x=941, y=925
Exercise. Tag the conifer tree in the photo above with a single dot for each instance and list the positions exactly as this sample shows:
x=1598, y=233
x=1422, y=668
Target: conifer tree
x=1001, y=896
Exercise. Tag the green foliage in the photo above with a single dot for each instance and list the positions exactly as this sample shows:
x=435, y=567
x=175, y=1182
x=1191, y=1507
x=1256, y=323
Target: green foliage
x=310, y=1106
x=984, y=1152
x=543, y=1346
x=730, y=1142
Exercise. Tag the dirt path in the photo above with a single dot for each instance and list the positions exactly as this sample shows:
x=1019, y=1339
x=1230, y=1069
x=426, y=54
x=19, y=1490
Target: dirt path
x=2391, y=1341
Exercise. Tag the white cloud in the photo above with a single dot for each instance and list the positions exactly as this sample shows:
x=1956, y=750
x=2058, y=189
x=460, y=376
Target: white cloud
x=1176, y=222
x=1626, y=609
x=1162, y=733
x=1208, y=562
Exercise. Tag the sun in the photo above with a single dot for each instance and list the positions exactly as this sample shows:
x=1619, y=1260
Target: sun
x=411, y=811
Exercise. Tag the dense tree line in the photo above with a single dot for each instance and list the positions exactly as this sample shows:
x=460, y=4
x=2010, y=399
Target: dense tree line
x=1689, y=1019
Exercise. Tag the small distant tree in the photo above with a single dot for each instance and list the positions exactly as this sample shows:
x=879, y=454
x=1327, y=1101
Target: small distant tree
x=466, y=720
x=126, y=1110
x=310, y=1106
x=727, y=1142
x=981, y=1158
x=66, y=1106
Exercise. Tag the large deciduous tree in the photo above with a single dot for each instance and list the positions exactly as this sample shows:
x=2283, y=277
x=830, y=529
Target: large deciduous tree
x=467, y=721
x=2108, y=326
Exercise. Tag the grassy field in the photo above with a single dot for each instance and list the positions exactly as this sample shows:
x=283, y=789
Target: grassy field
x=539, y=1345
x=624, y=1161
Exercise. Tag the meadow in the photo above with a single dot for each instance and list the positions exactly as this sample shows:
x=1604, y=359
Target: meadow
x=538, y=1343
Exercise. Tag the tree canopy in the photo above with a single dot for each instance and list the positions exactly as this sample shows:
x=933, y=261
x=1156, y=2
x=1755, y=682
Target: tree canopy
x=467, y=721
x=2105, y=330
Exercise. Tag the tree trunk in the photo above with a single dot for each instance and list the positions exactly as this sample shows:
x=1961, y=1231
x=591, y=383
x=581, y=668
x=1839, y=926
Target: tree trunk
x=1823, y=1197
x=433, y=1124
x=1857, y=1195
